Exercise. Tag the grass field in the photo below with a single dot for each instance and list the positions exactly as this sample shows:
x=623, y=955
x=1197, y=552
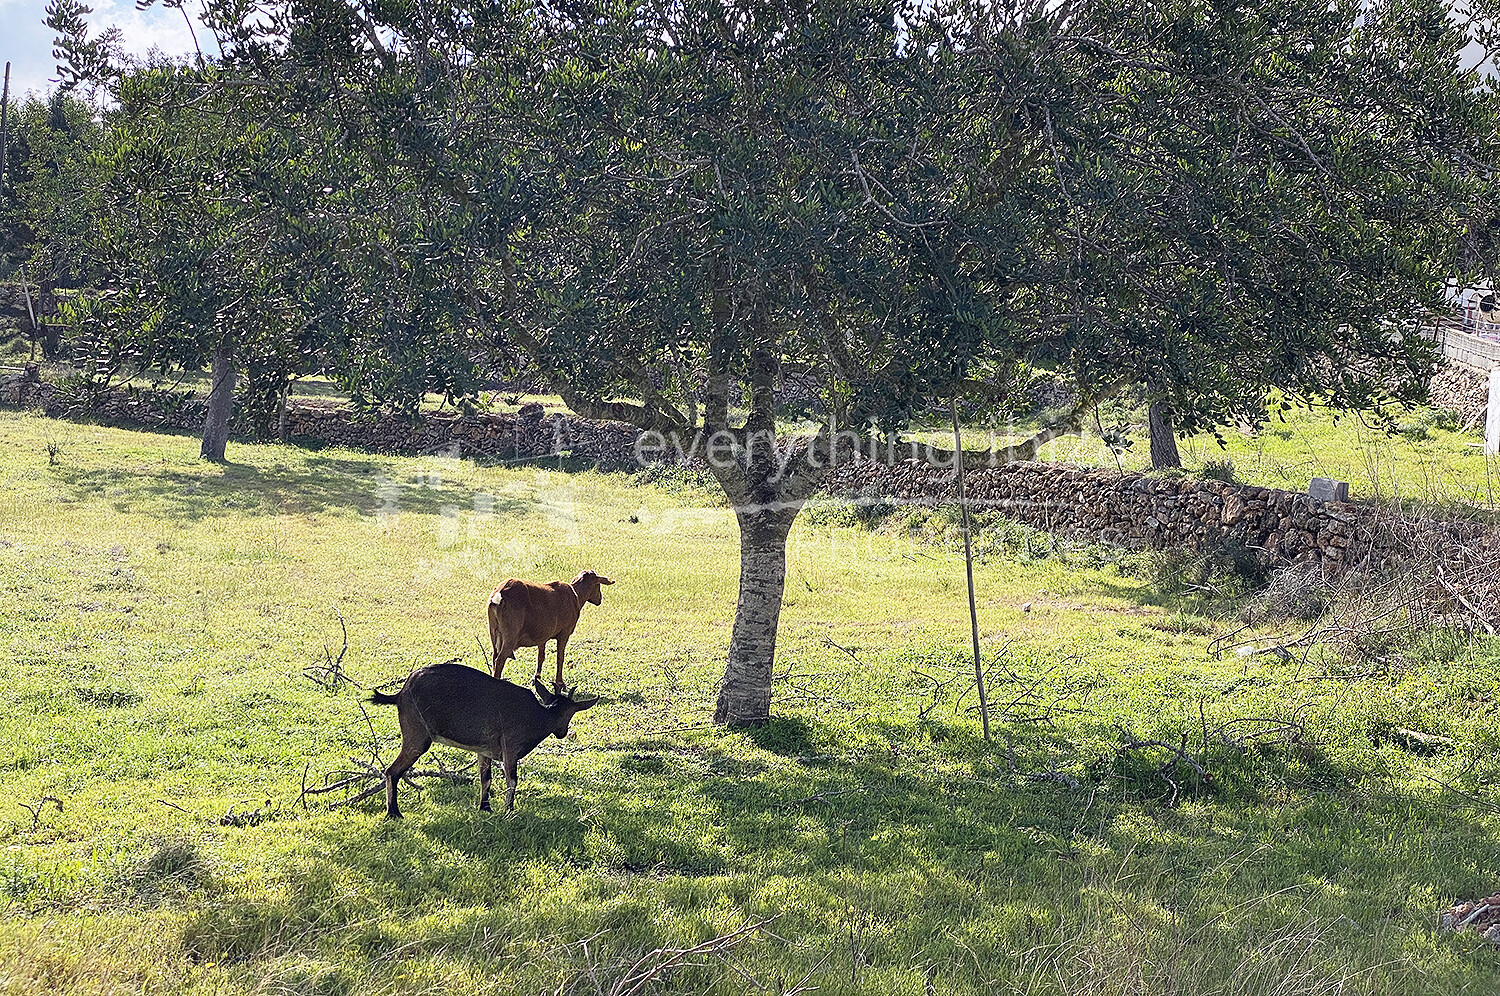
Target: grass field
x=1421, y=459
x=158, y=613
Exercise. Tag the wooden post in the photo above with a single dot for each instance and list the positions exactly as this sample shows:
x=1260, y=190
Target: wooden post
x=963, y=511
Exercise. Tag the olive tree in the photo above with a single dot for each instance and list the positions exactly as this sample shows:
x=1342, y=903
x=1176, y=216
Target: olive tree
x=773, y=235
x=884, y=207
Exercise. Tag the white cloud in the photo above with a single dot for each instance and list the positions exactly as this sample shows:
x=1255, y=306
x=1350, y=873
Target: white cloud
x=26, y=42
x=157, y=27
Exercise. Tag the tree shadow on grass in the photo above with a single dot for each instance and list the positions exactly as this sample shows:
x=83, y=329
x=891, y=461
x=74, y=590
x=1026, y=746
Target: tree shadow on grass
x=311, y=486
x=637, y=842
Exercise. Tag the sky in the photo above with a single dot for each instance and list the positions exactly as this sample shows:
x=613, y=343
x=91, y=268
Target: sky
x=26, y=42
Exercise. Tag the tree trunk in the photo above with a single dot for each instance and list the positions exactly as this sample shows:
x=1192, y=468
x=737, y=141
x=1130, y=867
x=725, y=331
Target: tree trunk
x=745, y=694
x=220, y=401
x=1163, y=441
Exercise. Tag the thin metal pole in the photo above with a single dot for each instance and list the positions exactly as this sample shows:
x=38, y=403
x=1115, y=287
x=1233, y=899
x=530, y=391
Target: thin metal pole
x=963, y=510
x=36, y=330
x=4, y=125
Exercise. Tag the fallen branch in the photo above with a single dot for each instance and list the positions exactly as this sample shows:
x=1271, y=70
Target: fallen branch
x=1484, y=803
x=801, y=692
x=365, y=772
x=1178, y=754
x=1414, y=741
x=1272, y=728
x=939, y=686
x=249, y=818
x=825, y=796
x=828, y=641
x=331, y=674
x=36, y=810
x=659, y=962
x=1054, y=776
x=1460, y=599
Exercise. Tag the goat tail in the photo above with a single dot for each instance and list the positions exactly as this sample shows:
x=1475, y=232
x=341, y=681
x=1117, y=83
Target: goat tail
x=380, y=698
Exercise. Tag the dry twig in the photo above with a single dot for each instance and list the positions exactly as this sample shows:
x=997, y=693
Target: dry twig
x=41, y=804
x=659, y=962
x=1130, y=743
x=330, y=674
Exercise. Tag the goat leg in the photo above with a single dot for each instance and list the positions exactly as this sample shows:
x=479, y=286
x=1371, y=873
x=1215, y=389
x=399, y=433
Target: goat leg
x=411, y=749
x=558, y=686
x=484, y=782
x=509, y=764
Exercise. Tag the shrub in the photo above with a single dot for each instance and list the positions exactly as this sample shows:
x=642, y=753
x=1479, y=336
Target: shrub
x=680, y=479
x=1414, y=431
x=1225, y=573
x=1294, y=592
x=867, y=509
x=1443, y=418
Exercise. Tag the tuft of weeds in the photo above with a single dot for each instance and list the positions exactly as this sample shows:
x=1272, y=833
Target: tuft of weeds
x=1219, y=470
x=868, y=509
x=1222, y=575
x=994, y=535
x=171, y=869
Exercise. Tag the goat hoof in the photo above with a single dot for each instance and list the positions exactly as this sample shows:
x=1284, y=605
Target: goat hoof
x=393, y=814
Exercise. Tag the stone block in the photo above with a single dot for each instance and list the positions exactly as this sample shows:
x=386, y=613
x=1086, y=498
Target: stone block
x=1327, y=489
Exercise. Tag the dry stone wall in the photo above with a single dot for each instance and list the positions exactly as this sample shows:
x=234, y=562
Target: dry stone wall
x=13, y=300
x=1131, y=510
x=527, y=434
x=1462, y=391
x=1143, y=512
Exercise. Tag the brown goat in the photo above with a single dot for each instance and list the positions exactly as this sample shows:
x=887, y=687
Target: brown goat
x=526, y=614
x=464, y=708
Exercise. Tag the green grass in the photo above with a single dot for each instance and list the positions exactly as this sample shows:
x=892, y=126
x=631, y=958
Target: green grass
x=1426, y=464
x=1422, y=461
x=157, y=614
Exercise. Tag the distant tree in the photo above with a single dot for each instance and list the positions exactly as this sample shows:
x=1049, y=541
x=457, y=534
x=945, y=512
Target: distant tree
x=186, y=252
x=50, y=196
x=261, y=218
x=1281, y=192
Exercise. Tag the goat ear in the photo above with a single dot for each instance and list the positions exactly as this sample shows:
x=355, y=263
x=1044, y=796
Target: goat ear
x=588, y=703
x=543, y=692
x=604, y=580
